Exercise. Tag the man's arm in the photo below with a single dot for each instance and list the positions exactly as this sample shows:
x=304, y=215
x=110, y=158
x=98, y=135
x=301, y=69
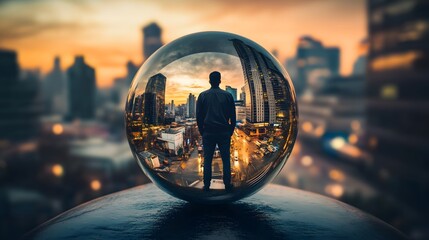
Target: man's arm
x=200, y=114
x=232, y=116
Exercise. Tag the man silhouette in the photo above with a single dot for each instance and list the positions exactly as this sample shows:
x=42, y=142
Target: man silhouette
x=216, y=122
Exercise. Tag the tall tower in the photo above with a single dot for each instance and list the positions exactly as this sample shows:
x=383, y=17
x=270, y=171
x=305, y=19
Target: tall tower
x=191, y=106
x=154, y=100
x=151, y=39
x=55, y=89
x=19, y=108
x=260, y=101
x=314, y=63
x=397, y=104
x=82, y=89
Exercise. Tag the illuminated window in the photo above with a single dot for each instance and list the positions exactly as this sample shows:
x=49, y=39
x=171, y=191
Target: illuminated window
x=395, y=61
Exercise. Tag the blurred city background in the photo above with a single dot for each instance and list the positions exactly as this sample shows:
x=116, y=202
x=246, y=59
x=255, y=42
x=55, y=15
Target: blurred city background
x=360, y=69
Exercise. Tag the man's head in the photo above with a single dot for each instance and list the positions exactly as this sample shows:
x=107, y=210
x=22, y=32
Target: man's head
x=214, y=79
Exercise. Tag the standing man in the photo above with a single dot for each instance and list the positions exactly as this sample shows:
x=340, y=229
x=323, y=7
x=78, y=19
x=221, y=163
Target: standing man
x=216, y=122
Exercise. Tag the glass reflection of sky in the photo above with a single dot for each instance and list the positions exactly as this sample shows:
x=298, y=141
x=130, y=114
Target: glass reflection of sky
x=190, y=74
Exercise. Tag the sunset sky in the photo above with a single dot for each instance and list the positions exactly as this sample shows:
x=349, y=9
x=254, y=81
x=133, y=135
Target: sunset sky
x=108, y=33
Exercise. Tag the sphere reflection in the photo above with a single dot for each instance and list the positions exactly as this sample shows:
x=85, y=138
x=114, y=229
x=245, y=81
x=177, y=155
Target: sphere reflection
x=161, y=116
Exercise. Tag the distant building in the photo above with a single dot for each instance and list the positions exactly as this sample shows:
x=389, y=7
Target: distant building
x=151, y=39
x=398, y=99
x=131, y=72
x=315, y=63
x=19, y=108
x=154, y=100
x=243, y=95
x=240, y=111
x=336, y=110
x=191, y=106
x=82, y=89
x=173, y=139
x=233, y=92
x=172, y=108
x=55, y=90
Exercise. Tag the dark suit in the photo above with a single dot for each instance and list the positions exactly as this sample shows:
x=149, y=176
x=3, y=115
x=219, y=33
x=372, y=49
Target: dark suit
x=216, y=122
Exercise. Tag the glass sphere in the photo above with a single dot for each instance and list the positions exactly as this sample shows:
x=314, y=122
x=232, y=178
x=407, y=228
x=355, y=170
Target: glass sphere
x=161, y=117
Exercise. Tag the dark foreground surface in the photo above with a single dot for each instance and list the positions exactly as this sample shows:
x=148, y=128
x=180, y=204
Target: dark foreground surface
x=276, y=212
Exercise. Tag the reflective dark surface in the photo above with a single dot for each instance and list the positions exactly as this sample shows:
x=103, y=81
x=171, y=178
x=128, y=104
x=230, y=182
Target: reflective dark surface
x=274, y=213
x=161, y=124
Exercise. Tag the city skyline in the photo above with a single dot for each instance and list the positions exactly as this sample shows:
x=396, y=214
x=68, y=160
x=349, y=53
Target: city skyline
x=109, y=55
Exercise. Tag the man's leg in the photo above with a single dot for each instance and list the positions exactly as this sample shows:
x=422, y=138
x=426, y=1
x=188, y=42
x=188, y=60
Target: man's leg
x=224, y=143
x=209, y=147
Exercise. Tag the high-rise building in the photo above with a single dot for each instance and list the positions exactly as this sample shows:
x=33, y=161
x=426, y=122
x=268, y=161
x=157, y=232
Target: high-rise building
x=172, y=107
x=82, y=89
x=151, y=39
x=233, y=92
x=266, y=98
x=131, y=72
x=243, y=95
x=19, y=108
x=398, y=99
x=55, y=90
x=191, y=106
x=314, y=62
x=154, y=100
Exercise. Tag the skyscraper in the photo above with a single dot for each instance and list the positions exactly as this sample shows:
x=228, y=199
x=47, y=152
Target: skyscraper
x=151, y=39
x=190, y=106
x=243, y=94
x=172, y=107
x=82, y=89
x=19, y=107
x=314, y=63
x=131, y=72
x=233, y=92
x=265, y=88
x=154, y=100
x=398, y=99
x=54, y=90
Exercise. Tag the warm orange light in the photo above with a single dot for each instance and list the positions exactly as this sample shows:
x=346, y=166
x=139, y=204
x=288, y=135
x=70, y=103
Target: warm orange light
x=57, y=129
x=95, y=185
x=336, y=175
x=307, y=126
x=395, y=61
x=335, y=190
x=306, y=161
x=353, y=138
x=57, y=170
x=319, y=131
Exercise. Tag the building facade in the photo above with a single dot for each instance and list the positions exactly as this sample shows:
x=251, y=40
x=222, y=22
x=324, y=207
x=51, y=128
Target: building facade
x=154, y=100
x=398, y=99
x=82, y=89
x=233, y=92
x=151, y=39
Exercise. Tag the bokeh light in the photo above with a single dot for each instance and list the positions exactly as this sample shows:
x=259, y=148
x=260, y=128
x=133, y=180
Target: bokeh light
x=57, y=170
x=95, y=185
x=57, y=129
